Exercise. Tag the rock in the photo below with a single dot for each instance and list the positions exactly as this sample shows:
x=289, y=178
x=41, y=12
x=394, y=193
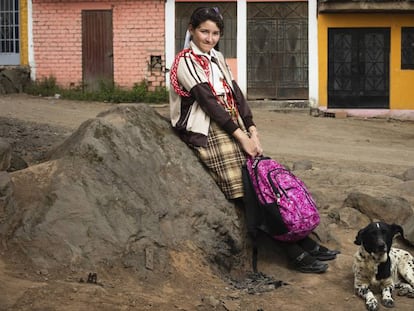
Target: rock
x=17, y=163
x=5, y=155
x=302, y=165
x=352, y=218
x=406, y=187
x=324, y=232
x=408, y=174
x=14, y=80
x=121, y=184
x=408, y=227
x=6, y=192
x=390, y=209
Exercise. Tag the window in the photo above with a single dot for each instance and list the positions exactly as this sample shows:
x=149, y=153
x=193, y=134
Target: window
x=9, y=32
x=407, y=48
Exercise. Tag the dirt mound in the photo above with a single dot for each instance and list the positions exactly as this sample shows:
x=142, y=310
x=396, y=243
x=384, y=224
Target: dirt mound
x=119, y=188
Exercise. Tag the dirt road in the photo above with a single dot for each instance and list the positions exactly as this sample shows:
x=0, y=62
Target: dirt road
x=288, y=135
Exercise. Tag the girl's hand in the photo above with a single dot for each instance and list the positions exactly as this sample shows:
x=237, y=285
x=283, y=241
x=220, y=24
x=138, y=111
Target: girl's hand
x=254, y=135
x=250, y=145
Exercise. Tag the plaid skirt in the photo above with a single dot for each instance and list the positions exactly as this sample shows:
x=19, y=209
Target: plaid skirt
x=224, y=159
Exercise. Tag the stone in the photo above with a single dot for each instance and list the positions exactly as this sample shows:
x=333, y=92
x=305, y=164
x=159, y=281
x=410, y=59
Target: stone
x=123, y=187
x=408, y=227
x=408, y=174
x=14, y=80
x=390, y=209
x=5, y=155
x=17, y=163
x=302, y=165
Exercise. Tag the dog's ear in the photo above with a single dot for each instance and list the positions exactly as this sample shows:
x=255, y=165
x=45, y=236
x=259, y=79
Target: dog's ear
x=397, y=229
x=358, y=238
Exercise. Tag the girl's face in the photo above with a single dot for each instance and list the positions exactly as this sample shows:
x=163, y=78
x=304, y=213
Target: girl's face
x=206, y=35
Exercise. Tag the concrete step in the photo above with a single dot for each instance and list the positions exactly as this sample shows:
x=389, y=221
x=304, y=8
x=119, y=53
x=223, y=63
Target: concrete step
x=282, y=105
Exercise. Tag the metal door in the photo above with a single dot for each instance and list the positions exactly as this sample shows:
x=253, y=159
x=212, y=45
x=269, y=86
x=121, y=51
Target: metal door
x=277, y=50
x=97, y=49
x=358, y=67
x=9, y=32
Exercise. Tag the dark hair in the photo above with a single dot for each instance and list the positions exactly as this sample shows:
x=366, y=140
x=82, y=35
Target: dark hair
x=203, y=14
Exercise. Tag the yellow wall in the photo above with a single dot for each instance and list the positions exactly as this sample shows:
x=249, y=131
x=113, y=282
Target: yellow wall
x=401, y=81
x=24, y=57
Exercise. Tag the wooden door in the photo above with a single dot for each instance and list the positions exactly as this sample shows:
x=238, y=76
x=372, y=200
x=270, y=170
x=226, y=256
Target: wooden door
x=358, y=67
x=277, y=50
x=97, y=49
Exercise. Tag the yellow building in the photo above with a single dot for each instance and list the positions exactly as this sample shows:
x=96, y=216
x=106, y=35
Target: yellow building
x=366, y=57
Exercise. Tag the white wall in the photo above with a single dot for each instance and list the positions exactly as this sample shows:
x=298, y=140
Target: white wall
x=169, y=37
x=242, y=45
x=313, y=53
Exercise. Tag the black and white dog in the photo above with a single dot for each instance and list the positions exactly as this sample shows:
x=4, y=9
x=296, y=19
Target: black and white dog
x=378, y=265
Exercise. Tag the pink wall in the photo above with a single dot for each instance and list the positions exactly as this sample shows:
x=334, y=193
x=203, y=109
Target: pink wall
x=138, y=33
x=232, y=62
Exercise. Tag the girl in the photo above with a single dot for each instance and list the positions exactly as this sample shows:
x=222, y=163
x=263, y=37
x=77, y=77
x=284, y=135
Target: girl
x=210, y=114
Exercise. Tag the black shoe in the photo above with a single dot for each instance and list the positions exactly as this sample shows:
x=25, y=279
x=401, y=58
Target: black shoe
x=322, y=253
x=305, y=263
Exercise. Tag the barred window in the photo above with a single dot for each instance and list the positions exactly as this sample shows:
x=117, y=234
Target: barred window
x=407, y=48
x=9, y=32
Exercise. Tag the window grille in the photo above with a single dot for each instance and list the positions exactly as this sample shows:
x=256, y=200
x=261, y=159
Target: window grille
x=407, y=48
x=9, y=32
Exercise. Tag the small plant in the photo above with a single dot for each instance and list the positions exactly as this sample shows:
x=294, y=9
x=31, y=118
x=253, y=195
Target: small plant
x=44, y=87
x=106, y=92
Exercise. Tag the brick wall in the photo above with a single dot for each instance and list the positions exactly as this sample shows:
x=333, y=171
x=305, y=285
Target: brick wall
x=138, y=34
